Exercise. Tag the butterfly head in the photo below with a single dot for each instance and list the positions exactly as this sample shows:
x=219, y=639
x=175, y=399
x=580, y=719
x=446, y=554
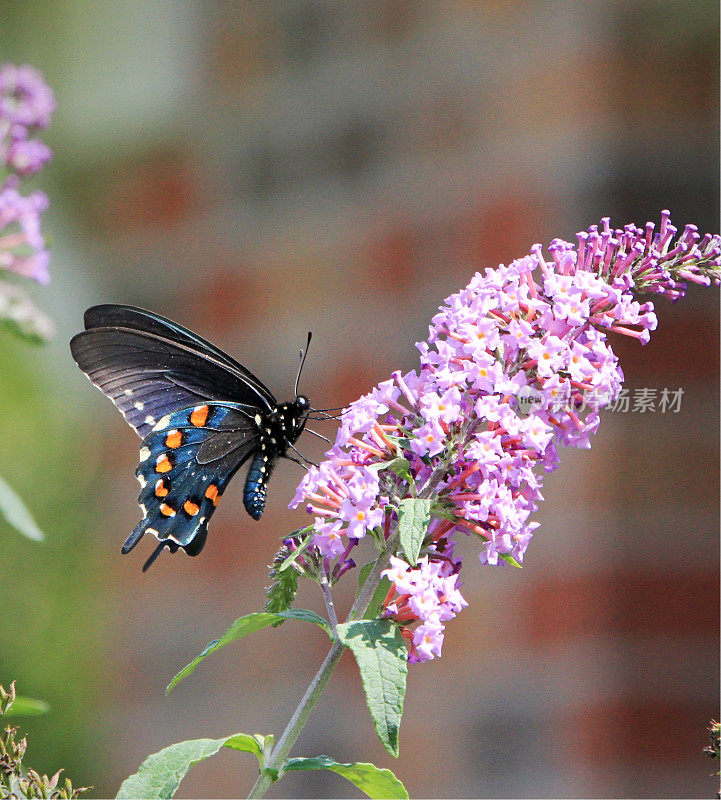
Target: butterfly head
x=299, y=410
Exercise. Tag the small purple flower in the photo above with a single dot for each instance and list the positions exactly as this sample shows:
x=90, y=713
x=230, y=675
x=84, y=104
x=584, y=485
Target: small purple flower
x=27, y=156
x=25, y=98
x=22, y=246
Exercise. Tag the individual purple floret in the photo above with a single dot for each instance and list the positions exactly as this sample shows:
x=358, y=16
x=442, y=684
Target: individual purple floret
x=26, y=101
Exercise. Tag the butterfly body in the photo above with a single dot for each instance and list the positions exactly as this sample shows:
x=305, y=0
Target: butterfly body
x=278, y=430
x=201, y=416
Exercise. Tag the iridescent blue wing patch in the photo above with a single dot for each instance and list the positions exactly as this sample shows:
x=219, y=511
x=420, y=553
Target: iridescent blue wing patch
x=185, y=464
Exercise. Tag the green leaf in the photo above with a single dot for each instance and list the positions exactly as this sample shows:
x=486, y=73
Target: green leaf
x=376, y=602
x=242, y=627
x=373, y=781
x=290, y=559
x=160, y=774
x=15, y=512
x=402, y=468
x=27, y=707
x=363, y=574
x=509, y=559
x=281, y=593
x=381, y=657
x=414, y=515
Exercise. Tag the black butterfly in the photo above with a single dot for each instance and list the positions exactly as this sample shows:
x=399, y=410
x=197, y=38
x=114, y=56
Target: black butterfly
x=201, y=416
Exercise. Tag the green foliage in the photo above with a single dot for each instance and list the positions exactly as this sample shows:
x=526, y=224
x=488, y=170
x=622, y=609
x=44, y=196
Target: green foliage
x=414, y=515
x=15, y=512
x=382, y=660
x=284, y=573
x=159, y=776
x=15, y=781
x=27, y=707
x=242, y=627
x=400, y=466
x=373, y=781
x=161, y=773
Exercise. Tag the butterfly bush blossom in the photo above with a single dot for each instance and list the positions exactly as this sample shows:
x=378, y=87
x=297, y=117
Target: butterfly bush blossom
x=26, y=104
x=515, y=364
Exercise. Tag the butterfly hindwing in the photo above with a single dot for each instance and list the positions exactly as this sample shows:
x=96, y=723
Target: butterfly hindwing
x=179, y=493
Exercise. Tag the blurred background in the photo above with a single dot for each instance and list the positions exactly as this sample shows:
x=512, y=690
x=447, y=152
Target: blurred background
x=256, y=170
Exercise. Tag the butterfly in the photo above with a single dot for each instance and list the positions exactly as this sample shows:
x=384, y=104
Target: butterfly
x=201, y=416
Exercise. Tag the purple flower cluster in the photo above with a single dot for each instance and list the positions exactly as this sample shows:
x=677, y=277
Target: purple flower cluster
x=26, y=104
x=515, y=363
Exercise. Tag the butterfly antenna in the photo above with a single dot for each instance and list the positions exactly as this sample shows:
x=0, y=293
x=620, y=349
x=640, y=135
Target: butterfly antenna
x=302, y=361
x=320, y=436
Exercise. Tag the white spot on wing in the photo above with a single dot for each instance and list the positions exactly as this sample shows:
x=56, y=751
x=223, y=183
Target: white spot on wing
x=144, y=453
x=139, y=406
x=141, y=480
x=162, y=423
x=150, y=420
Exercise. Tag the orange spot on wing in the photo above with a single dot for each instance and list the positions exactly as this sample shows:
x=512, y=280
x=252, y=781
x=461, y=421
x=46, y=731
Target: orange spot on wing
x=212, y=493
x=174, y=439
x=161, y=489
x=164, y=464
x=167, y=510
x=191, y=508
x=199, y=416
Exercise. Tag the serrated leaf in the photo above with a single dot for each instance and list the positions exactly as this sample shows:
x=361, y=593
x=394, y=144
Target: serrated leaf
x=27, y=707
x=414, y=515
x=242, y=627
x=159, y=776
x=381, y=657
x=15, y=512
x=280, y=594
x=371, y=780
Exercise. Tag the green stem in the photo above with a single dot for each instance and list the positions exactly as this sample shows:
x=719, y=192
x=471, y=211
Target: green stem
x=314, y=690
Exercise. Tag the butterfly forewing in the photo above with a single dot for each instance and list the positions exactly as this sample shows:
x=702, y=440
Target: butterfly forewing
x=147, y=376
x=118, y=316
